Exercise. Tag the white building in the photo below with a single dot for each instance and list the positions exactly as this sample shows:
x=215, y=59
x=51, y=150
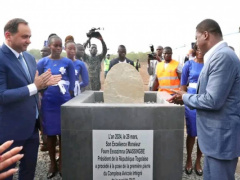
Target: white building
x=232, y=39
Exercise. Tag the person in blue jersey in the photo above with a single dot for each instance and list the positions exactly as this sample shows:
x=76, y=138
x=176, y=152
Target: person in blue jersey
x=190, y=74
x=80, y=68
x=54, y=96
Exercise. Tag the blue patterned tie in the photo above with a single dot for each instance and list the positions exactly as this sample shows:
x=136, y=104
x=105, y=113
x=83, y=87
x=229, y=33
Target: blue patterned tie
x=24, y=66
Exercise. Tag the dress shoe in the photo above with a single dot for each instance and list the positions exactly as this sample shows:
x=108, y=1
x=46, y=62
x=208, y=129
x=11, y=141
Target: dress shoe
x=188, y=170
x=199, y=172
x=50, y=175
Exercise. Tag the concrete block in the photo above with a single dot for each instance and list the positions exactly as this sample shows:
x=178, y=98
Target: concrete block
x=85, y=113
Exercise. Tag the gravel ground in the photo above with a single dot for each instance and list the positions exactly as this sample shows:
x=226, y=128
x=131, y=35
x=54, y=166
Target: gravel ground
x=43, y=162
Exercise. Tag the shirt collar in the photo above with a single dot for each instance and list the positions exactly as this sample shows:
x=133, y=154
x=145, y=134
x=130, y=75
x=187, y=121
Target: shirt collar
x=209, y=53
x=125, y=61
x=14, y=52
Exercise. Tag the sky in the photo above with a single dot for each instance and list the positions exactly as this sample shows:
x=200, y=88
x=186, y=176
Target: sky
x=133, y=23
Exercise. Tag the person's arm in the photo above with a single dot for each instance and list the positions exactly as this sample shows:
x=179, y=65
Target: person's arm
x=86, y=43
x=18, y=94
x=71, y=76
x=84, y=75
x=179, y=71
x=132, y=63
x=185, y=76
x=155, y=85
x=110, y=65
x=222, y=72
x=104, y=49
x=8, y=158
x=149, y=67
x=10, y=95
x=179, y=75
x=52, y=79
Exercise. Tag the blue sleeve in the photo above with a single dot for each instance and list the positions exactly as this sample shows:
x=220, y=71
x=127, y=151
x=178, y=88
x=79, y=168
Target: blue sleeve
x=222, y=83
x=185, y=73
x=71, y=75
x=84, y=75
x=8, y=95
x=40, y=66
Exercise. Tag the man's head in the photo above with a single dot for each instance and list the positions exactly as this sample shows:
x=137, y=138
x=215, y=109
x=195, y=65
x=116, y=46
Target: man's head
x=159, y=50
x=122, y=52
x=17, y=34
x=167, y=54
x=93, y=50
x=108, y=56
x=208, y=33
x=45, y=51
x=80, y=51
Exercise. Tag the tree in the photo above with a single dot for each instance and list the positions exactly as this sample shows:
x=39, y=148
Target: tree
x=134, y=56
x=36, y=54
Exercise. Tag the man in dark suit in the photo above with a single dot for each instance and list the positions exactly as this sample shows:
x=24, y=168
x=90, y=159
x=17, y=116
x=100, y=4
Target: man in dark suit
x=19, y=84
x=121, y=57
x=217, y=103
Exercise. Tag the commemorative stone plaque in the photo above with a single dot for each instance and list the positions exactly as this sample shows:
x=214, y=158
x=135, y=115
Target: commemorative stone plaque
x=122, y=154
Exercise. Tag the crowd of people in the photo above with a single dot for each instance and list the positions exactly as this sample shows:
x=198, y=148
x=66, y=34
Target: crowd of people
x=31, y=95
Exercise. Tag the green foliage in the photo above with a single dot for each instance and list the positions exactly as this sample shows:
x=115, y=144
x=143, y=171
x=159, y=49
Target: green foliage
x=134, y=56
x=36, y=53
x=64, y=54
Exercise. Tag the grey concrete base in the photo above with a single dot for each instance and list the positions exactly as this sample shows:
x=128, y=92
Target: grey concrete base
x=83, y=114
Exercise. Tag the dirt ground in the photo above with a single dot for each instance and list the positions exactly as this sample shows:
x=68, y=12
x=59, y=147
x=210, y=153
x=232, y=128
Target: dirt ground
x=143, y=73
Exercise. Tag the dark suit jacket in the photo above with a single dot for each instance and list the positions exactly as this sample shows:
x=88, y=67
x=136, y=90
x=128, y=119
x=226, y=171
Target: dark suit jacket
x=115, y=61
x=17, y=108
x=218, y=105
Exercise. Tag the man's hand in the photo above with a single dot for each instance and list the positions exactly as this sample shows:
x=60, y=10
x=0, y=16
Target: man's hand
x=41, y=81
x=8, y=158
x=177, y=97
x=54, y=79
x=98, y=35
x=155, y=57
x=158, y=58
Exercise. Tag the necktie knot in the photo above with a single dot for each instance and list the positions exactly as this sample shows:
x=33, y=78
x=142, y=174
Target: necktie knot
x=20, y=57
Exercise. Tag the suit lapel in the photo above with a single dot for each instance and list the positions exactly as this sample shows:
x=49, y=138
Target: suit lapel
x=205, y=66
x=12, y=58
